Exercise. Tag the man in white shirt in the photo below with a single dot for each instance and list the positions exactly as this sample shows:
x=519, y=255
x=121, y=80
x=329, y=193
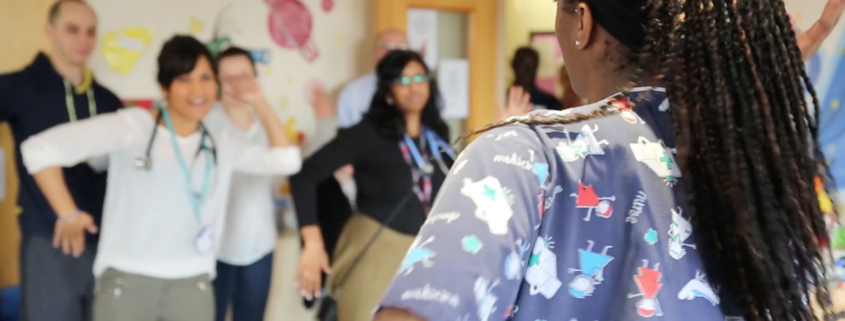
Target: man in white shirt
x=355, y=98
x=245, y=256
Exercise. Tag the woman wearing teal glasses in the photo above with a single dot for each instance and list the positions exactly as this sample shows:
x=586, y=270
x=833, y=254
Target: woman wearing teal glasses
x=167, y=191
x=400, y=156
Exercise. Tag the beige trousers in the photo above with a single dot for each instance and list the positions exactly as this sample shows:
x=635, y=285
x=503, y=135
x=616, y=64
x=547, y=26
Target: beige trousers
x=121, y=296
x=370, y=279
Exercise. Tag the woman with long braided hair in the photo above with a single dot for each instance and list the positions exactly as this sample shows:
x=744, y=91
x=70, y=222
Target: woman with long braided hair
x=629, y=208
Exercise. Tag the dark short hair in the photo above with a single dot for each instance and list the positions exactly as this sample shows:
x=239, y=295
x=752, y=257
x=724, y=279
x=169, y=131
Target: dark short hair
x=525, y=57
x=236, y=52
x=56, y=8
x=179, y=56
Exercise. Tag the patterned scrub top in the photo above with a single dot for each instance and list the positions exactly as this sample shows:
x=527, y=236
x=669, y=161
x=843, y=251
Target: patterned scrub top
x=585, y=221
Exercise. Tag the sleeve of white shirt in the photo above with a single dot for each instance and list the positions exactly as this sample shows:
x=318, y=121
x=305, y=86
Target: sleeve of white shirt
x=259, y=159
x=99, y=164
x=70, y=144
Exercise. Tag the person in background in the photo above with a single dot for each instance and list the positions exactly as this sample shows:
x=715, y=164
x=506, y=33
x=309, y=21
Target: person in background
x=57, y=254
x=811, y=40
x=570, y=98
x=525, y=63
x=397, y=153
x=354, y=99
x=692, y=201
x=245, y=257
x=167, y=192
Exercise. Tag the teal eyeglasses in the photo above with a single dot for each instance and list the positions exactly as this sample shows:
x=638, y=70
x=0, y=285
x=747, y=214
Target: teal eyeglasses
x=407, y=80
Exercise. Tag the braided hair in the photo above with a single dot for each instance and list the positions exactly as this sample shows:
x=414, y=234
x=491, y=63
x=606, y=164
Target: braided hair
x=747, y=145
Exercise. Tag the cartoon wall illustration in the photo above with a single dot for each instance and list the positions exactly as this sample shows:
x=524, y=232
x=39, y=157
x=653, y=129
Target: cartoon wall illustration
x=290, y=25
x=327, y=5
x=121, y=49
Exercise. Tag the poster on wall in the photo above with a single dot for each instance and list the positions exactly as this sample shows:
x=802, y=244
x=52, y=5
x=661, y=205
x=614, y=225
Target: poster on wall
x=422, y=33
x=551, y=59
x=453, y=80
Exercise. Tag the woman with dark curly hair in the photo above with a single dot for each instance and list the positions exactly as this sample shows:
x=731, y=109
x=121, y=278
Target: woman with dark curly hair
x=631, y=208
x=401, y=157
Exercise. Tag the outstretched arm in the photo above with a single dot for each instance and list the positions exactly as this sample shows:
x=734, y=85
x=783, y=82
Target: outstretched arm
x=811, y=40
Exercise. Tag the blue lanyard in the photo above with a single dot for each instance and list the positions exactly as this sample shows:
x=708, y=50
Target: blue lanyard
x=434, y=145
x=196, y=199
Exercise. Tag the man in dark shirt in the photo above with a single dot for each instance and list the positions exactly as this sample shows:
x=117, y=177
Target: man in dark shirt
x=58, y=249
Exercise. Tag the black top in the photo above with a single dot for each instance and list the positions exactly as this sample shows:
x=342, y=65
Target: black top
x=545, y=100
x=33, y=100
x=381, y=174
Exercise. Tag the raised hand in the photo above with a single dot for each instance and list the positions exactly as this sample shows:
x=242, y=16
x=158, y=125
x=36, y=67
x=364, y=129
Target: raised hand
x=519, y=104
x=324, y=106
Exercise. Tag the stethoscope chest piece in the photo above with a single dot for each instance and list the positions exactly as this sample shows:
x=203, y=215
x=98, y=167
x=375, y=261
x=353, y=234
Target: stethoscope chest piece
x=144, y=162
x=428, y=168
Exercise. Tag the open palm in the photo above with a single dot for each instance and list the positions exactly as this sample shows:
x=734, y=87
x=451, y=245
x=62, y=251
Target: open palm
x=519, y=104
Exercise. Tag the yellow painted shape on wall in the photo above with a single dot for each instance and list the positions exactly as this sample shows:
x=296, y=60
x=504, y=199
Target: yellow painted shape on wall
x=196, y=26
x=291, y=130
x=122, y=49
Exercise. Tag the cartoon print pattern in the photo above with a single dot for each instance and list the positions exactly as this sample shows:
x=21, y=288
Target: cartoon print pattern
x=658, y=158
x=587, y=198
x=649, y=282
x=492, y=205
x=591, y=265
x=539, y=263
x=585, y=144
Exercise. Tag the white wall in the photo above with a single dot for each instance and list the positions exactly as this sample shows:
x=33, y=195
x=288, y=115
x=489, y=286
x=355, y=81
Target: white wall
x=341, y=35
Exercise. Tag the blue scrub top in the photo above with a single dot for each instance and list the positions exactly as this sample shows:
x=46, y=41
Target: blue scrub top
x=585, y=221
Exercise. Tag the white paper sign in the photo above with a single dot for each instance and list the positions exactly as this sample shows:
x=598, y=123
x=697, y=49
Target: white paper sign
x=422, y=33
x=453, y=81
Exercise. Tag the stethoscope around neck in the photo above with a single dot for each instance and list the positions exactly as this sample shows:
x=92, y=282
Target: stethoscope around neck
x=436, y=146
x=146, y=162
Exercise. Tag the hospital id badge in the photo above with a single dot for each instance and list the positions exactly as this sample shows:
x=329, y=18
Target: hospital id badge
x=204, y=241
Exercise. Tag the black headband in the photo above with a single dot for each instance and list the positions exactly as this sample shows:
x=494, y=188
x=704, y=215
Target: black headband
x=622, y=19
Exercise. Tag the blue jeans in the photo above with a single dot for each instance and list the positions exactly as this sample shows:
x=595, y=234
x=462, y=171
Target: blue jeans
x=245, y=287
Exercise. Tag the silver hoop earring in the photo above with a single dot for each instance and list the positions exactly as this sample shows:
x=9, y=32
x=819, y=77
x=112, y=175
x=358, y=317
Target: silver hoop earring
x=389, y=100
x=577, y=43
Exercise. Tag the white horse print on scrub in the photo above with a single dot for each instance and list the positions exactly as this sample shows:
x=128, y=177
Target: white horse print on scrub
x=418, y=253
x=492, y=204
x=699, y=288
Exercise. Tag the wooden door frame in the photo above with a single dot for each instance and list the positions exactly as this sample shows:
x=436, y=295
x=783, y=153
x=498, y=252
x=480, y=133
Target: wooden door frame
x=482, y=46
